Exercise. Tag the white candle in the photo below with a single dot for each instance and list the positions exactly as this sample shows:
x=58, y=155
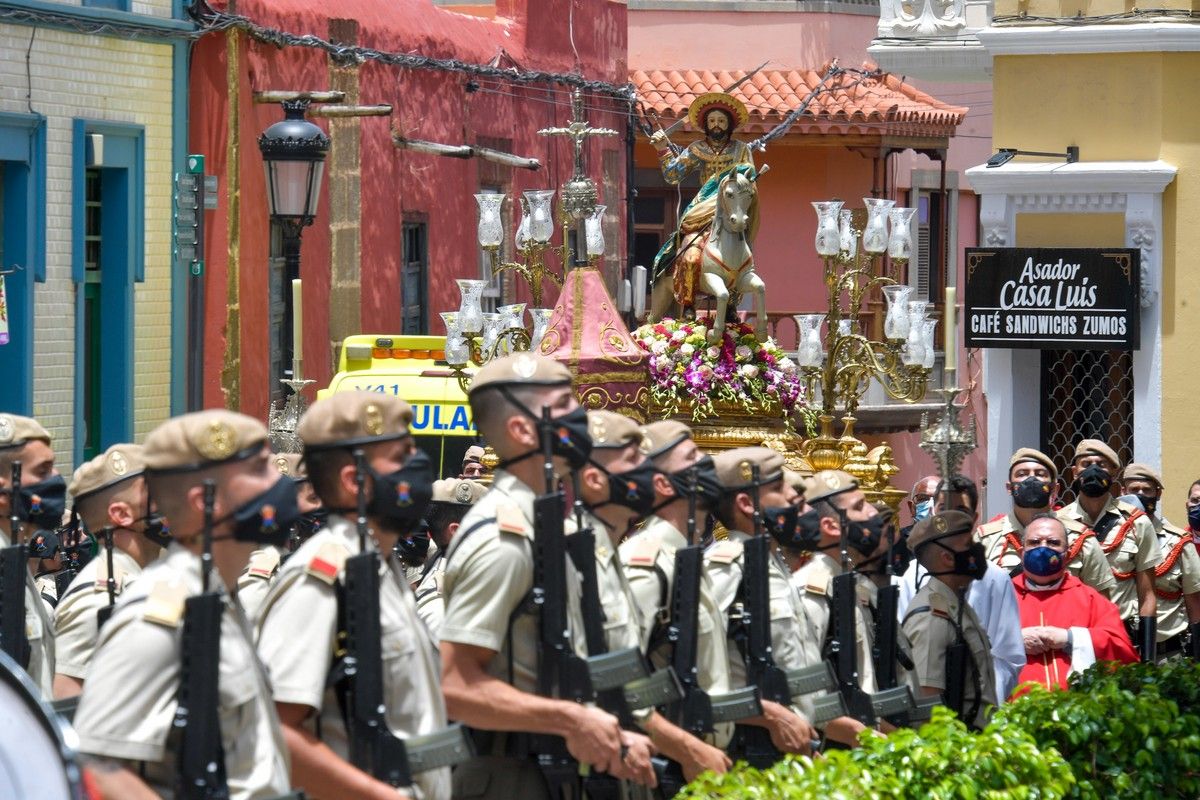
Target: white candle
x=297, y=325
x=951, y=326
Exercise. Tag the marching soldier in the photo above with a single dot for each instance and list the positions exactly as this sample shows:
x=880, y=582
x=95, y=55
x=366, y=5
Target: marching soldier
x=793, y=643
x=472, y=463
x=1177, y=578
x=1031, y=480
x=648, y=558
x=110, y=500
x=452, y=499
x=1125, y=534
x=354, y=442
x=490, y=634
x=127, y=714
x=40, y=507
x=948, y=644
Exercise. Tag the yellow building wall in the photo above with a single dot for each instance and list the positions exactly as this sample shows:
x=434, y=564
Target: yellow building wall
x=1124, y=107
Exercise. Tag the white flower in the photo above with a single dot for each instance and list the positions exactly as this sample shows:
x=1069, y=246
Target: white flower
x=787, y=366
x=687, y=349
x=678, y=336
x=714, y=352
x=749, y=371
x=658, y=347
x=743, y=351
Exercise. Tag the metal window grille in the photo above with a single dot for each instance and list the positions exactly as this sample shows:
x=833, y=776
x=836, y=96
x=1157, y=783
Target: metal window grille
x=1086, y=394
x=415, y=279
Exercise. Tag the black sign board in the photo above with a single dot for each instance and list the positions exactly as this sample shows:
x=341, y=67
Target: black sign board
x=1053, y=298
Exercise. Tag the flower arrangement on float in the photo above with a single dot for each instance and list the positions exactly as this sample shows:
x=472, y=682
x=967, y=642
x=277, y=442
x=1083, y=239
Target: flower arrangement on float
x=687, y=374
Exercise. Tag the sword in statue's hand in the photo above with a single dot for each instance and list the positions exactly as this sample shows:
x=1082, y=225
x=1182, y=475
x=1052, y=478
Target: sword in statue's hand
x=663, y=133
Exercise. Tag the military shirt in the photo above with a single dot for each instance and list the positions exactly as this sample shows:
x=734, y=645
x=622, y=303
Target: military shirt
x=489, y=576
x=76, y=625
x=297, y=634
x=1001, y=539
x=1176, y=576
x=431, y=605
x=129, y=699
x=649, y=561
x=39, y=630
x=624, y=626
x=1130, y=544
x=414, y=574
x=256, y=579
x=930, y=627
x=814, y=581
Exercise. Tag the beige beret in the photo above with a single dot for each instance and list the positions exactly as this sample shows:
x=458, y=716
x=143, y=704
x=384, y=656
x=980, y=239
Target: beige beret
x=16, y=431
x=660, y=438
x=202, y=439
x=348, y=419
x=939, y=526
x=796, y=480
x=525, y=369
x=829, y=483
x=474, y=455
x=735, y=468
x=611, y=431
x=1095, y=447
x=1029, y=454
x=459, y=491
x=1142, y=472
x=292, y=465
x=117, y=464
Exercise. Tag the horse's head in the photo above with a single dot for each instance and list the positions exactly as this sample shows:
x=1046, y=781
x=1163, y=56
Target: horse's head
x=735, y=198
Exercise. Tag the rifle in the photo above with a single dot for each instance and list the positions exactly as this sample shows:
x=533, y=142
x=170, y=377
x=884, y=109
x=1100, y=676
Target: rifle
x=201, y=761
x=373, y=747
x=110, y=584
x=13, y=569
x=843, y=647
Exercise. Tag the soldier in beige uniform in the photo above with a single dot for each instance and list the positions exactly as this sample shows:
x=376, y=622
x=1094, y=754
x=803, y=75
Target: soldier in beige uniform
x=264, y=564
x=110, y=495
x=43, y=492
x=1125, y=534
x=298, y=627
x=489, y=637
x=793, y=641
x=128, y=704
x=939, y=614
x=617, y=488
x=1031, y=480
x=648, y=560
x=452, y=498
x=1177, y=578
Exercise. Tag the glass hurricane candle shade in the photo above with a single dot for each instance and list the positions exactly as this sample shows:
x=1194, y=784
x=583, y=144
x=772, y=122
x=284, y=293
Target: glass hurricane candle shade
x=847, y=237
x=593, y=232
x=490, y=230
x=541, y=324
x=914, y=346
x=457, y=352
x=895, y=323
x=491, y=331
x=900, y=241
x=541, y=221
x=470, y=313
x=927, y=328
x=828, y=239
x=512, y=316
x=875, y=235
x=810, y=351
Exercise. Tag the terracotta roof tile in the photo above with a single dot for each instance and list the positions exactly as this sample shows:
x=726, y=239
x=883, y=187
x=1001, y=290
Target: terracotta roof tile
x=881, y=103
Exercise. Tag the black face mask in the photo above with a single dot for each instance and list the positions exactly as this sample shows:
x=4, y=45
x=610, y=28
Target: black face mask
x=413, y=549
x=782, y=522
x=1095, y=481
x=808, y=531
x=1033, y=492
x=1149, y=503
x=970, y=563
x=155, y=529
x=708, y=485
x=44, y=503
x=268, y=518
x=865, y=536
x=310, y=522
x=569, y=436
x=401, y=498
x=43, y=545
x=632, y=489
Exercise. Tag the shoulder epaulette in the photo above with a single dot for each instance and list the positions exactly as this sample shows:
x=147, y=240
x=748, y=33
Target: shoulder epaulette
x=327, y=563
x=642, y=551
x=165, y=604
x=101, y=582
x=818, y=580
x=510, y=520
x=263, y=563
x=1074, y=525
x=1128, y=508
x=1173, y=528
x=997, y=518
x=993, y=526
x=939, y=605
x=724, y=552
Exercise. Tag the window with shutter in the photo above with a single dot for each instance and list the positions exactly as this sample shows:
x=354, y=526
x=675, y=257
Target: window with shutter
x=414, y=279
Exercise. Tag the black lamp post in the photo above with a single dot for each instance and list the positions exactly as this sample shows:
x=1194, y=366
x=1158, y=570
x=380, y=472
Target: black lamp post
x=293, y=152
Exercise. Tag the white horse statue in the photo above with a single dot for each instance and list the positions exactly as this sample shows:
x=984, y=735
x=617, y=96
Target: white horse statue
x=720, y=254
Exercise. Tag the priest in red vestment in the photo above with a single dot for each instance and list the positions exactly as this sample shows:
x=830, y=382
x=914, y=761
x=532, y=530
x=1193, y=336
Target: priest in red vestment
x=1067, y=625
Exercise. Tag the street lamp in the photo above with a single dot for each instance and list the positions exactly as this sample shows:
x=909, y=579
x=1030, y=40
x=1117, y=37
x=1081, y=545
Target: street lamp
x=293, y=152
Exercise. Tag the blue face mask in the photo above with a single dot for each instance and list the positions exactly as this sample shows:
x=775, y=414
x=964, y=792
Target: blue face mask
x=1044, y=561
x=924, y=510
x=1194, y=518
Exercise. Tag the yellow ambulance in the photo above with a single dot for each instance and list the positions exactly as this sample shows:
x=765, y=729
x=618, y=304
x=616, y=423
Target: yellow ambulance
x=413, y=368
